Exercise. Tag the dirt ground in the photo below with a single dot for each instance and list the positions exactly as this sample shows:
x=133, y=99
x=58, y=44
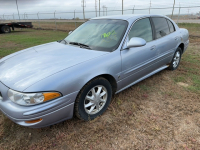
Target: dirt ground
x=159, y=113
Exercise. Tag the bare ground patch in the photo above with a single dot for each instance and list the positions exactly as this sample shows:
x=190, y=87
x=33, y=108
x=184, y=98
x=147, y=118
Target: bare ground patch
x=155, y=114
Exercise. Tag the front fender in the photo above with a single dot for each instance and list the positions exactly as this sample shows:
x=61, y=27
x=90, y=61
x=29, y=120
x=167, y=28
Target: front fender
x=74, y=78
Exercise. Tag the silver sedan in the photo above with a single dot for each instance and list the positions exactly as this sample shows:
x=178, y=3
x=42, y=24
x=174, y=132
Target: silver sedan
x=49, y=83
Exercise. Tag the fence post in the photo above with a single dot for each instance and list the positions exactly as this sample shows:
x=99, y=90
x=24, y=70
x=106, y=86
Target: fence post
x=25, y=16
x=133, y=9
x=38, y=19
x=55, y=19
x=75, y=18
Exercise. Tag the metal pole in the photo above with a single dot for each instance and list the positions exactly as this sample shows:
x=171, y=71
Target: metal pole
x=18, y=10
x=188, y=13
x=55, y=19
x=99, y=9
x=133, y=9
x=173, y=9
x=38, y=19
x=122, y=7
x=3, y=17
x=13, y=17
x=96, y=7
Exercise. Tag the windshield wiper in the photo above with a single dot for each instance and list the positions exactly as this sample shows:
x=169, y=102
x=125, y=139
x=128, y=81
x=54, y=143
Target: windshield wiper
x=65, y=41
x=80, y=44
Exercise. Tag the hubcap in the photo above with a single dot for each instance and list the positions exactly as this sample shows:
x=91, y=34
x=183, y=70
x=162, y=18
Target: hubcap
x=95, y=99
x=6, y=29
x=176, y=59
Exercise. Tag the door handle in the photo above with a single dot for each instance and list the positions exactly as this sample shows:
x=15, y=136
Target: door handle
x=153, y=47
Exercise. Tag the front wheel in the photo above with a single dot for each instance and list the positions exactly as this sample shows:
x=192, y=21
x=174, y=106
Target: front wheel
x=176, y=59
x=93, y=99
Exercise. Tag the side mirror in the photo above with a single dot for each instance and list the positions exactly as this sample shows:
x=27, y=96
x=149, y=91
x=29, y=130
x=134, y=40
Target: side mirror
x=70, y=32
x=136, y=42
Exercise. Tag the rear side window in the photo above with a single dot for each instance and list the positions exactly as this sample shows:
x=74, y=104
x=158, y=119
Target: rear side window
x=161, y=27
x=171, y=26
x=142, y=29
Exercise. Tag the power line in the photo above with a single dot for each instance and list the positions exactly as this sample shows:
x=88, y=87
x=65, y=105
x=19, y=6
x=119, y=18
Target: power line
x=113, y=10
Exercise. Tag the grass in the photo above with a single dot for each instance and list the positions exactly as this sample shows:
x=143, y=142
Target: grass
x=157, y=113
x=66, y=26
x=25, y=38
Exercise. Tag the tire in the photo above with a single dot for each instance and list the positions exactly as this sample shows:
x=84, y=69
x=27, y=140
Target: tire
x=87, y=108
x=176, y=59
x=5, y=29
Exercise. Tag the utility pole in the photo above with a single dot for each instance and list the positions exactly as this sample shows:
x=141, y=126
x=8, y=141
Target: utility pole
x=150, y=7
x=122, y=7
x=18, y=10
x=96, y=7
x=173, y=9
x=133, y=9
x=99, y=9
x=83, y=5
x=179, y=12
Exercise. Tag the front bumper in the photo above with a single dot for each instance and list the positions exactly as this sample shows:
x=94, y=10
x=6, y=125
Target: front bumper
x=50, y=112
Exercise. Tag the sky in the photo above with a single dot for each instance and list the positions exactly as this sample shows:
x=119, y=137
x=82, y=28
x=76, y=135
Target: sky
x=32, y=7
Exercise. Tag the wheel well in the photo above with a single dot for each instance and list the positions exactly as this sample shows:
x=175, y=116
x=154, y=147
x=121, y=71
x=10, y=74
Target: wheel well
x=112, y=81
x=182, y=47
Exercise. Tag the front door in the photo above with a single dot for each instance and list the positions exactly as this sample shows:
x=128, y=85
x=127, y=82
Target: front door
x=138, y=61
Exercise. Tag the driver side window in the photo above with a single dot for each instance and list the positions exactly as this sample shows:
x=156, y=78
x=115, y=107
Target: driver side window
x=142, y=29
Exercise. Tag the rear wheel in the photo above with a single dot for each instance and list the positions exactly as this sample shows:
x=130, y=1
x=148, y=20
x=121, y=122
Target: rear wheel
x=5, y=29
x=93, y=99
x=176, y=59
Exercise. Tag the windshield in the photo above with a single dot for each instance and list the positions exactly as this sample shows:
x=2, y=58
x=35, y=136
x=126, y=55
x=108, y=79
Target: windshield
x=102, y=35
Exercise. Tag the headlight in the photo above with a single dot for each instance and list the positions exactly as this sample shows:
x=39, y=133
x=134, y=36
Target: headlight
x=31, y=98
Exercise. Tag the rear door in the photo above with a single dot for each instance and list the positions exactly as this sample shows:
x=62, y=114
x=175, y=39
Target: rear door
x=165, y=40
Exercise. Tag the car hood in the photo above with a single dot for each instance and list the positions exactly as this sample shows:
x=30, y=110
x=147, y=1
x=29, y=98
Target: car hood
x=21, y=70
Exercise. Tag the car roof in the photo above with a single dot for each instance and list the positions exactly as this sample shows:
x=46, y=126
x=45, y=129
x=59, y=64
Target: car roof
x=127, y=17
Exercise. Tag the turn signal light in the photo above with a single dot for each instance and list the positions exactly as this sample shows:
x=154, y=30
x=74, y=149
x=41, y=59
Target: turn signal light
x=49, y=96
x=34, y=121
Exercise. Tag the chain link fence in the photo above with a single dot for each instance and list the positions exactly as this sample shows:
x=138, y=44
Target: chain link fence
x=68, y=21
